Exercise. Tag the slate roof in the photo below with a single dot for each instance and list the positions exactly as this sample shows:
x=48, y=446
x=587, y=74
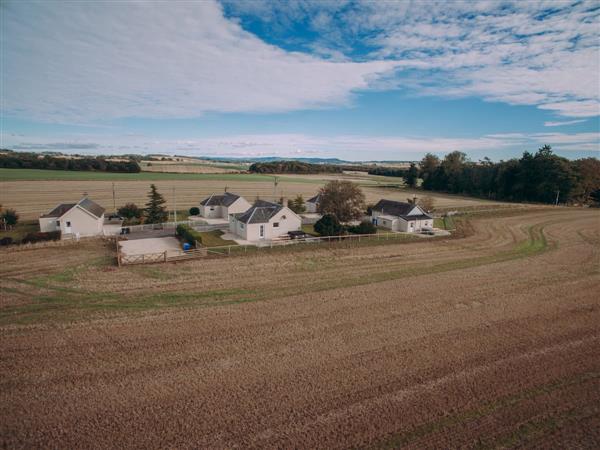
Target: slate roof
x=260, y=212
x=226, y=199
x=398, y=209
x=315, y=199
x=60, y=210
x=92, y=207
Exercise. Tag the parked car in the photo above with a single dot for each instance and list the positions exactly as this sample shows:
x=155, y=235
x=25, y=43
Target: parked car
x=298, y=234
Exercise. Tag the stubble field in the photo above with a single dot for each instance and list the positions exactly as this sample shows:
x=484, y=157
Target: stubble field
x=34, y=192
x=486, y=340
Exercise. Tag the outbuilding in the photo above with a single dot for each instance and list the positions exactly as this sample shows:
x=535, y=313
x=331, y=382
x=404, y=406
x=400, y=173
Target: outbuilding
x=84, y=218
x=221, y=206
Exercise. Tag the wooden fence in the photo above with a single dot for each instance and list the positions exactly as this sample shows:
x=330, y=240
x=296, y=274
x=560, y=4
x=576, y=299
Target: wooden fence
x=144, y=258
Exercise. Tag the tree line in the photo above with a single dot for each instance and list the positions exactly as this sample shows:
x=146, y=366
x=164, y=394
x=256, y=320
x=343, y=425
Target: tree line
x=294, y=167
x=23, y=160
x=535, y=177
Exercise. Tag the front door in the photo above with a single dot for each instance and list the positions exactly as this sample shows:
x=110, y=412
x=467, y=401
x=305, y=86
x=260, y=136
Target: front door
x=261, y=231
x=68, y=229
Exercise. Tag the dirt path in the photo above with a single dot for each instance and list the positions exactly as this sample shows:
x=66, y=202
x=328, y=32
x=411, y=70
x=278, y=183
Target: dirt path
x=483, y=341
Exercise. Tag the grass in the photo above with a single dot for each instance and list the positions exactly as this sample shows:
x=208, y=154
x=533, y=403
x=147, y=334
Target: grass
x=213, y=239
x=21, y=230
x=445, y=223
x=310, y=229
x=67, y=175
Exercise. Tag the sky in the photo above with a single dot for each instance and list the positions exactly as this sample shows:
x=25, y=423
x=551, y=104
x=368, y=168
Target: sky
x=348, y=79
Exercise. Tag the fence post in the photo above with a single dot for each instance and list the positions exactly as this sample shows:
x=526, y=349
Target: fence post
x=229, y=250
x=165, y=256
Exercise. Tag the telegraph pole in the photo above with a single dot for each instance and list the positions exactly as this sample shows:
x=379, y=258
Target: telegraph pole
x=174, y=207
x=557, y=194
x=114, y=199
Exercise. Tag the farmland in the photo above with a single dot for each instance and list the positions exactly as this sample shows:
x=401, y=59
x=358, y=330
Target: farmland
x=487, y=339
x=51, y=187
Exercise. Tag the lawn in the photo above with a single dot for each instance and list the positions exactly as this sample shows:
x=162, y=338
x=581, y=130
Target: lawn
x=213, y=239
x=310, y=229
x=445, y=223
x=21, y=230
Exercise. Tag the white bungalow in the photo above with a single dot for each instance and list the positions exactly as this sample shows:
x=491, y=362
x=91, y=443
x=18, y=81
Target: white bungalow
x=312, y=204
x=221, y=206
x=264, y=221
x=84, y=218
x=400, y=216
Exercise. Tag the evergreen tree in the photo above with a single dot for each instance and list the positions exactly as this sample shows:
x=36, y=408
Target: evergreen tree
x=155, y=212
x=412, y=175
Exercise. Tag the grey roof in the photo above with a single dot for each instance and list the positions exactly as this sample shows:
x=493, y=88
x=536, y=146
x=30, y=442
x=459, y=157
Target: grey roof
x=60, y=210
x=399, y=209
x=260, y=212
x=91, y=207
x=315, y=199
x=226, y=199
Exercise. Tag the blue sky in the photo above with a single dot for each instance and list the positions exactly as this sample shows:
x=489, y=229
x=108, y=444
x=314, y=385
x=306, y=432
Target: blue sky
x=348, y=79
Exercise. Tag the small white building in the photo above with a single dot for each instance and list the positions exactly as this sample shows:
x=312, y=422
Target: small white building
x=400, y=216
x=264, y=221
x=221, y=206
x=312, y=204
x=84, y=218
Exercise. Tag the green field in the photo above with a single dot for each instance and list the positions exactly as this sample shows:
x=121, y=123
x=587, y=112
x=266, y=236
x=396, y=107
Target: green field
x=67, y=175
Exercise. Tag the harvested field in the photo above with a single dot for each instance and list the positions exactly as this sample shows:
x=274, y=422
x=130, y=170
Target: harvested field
x=31, y=199
x=489, y=340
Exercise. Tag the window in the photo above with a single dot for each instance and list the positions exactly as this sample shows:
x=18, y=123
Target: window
x=212, y=208
x=58, y=223
x=68, y=223
x=242, y=226
x=283, y=217
x=275, y=224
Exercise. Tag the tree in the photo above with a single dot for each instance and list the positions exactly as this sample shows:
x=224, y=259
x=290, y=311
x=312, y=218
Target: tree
x=297, y=205
x=130, y=211
x=328, y=225
x=194, y=211
x=155, y=212
x=9, y=218
x=343, y=199
x=429, y=165
x=427, y=203
x=412, y=175
x=588, y=178
x=365, y=227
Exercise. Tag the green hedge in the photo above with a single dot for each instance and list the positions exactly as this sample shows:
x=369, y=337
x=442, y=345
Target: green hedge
x=187, y=234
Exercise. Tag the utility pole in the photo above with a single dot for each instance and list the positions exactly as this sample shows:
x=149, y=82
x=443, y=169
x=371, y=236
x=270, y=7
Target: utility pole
x=174, y=207
x=557, y=194
x=275, y=183
x=114, y=199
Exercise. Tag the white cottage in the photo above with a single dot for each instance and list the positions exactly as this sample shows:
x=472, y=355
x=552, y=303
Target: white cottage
x=221, y=206
x=312, y=204
x=400, y=216
x=84, y=218
x=264, y=221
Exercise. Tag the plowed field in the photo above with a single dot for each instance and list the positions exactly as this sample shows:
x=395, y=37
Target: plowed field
x=486, y=340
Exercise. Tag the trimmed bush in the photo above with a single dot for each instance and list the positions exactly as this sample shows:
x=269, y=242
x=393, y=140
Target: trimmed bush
x=41, y=236
x=364, y=227
x=194, y=211
x=328, y=225
x=6, y=241
x=187, y=234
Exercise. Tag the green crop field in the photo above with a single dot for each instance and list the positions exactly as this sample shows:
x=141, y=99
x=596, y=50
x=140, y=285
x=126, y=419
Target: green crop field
x=66, y=175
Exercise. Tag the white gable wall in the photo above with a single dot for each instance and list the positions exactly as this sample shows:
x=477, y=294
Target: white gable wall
x=82, y=222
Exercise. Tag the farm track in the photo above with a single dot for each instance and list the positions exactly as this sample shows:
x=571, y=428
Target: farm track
x=487, y=341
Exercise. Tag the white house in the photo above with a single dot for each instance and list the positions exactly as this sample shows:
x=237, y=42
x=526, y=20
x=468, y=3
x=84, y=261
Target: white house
x=221, y=206
x=264, y=221
x=84, y=218
x=312, y=204
x=400, y=216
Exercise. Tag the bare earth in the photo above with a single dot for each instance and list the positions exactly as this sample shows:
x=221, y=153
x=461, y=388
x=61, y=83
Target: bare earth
x=492, y=340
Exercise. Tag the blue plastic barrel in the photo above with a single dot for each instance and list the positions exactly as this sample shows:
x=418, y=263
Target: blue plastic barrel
x=186, y=246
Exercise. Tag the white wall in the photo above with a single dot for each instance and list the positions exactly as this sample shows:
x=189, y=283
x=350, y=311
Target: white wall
x=251, y=231
x=210, y=212
x=81, y=222
x=239, y=206
x=48, y=224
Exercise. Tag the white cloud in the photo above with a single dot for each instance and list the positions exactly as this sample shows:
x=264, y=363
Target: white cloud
x=82, y=61
x=563, y=123
x=517, y=52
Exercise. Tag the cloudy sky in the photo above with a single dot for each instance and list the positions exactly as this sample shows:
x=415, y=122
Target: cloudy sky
x=348, y=79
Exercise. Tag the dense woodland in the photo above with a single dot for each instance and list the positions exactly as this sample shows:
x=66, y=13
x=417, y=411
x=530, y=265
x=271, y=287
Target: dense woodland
x=294, y=167
x=535, y=177
x=18, y=160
